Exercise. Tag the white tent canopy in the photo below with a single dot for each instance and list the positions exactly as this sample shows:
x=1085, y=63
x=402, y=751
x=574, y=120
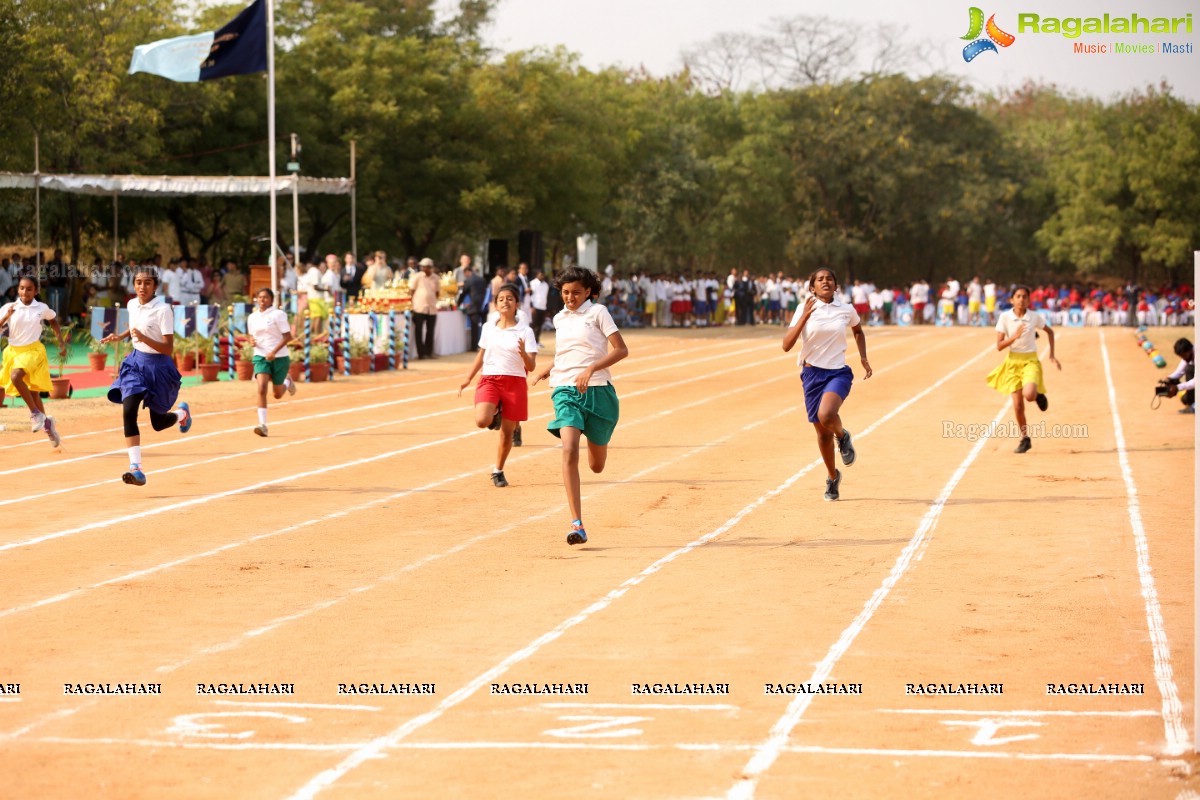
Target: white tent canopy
x=172, y=185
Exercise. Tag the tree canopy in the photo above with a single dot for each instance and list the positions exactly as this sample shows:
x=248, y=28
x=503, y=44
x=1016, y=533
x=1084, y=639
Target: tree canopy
x=877, y=173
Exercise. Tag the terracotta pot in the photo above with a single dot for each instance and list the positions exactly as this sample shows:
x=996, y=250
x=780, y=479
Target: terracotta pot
x=96, y=361
x=185, y=362
x=360, y=364
x=381, y=362
x=296, y=370
x=319, y=372
x=60, y=388
x=212, y=372
x=245, y=370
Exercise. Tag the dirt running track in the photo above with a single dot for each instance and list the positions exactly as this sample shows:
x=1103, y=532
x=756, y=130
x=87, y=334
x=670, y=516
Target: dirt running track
x=363, y=544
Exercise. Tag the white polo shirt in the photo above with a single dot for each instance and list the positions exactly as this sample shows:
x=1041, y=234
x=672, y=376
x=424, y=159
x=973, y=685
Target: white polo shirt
x=155, y=319
x=25, y=327
x=270, y=329
x=1009, y=322
x=501, y=354
x=823, y=342
x=581, y=339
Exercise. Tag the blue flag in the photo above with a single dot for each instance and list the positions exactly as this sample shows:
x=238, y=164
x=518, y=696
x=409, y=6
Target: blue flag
x=239, y=48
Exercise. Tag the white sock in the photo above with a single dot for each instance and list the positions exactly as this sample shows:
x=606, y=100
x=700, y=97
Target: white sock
x=287, y=382
x=180, y=416
x=494, y=470
x=262, y=416
x=135, y=455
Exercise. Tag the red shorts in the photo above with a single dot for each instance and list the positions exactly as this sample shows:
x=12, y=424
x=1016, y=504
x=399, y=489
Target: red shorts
x=509, y=391
x=862, y=309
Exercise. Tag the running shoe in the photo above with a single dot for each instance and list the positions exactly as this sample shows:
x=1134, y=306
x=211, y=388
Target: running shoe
x=52, y=432
x=1042, y=402
x=261, y=430
x=495, y=425
x=291, y=386
x=832, y=485
x=577, y=535
x=517, y=436
x=37, y=421
x=185, y=424
x=135, y=476
x=846, y=448
x=1024, y=446
x=498, y=480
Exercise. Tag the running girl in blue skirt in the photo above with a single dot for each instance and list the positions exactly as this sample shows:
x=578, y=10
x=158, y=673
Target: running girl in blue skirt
x=148, y=376
x=821, y=325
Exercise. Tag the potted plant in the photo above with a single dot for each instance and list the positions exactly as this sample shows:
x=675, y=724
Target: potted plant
x=245, y=361
x=97, y=352
x=318, y=363
x=210, y=369
x=185, y=358
x=360, y=355
x=60, y=386
x=296, y=368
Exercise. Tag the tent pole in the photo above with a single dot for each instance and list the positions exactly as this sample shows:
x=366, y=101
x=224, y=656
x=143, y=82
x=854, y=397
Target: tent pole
x=353, y=205
x=271, y=144
x=37, y=200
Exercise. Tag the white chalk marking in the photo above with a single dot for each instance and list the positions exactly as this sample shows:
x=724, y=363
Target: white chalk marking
x=1172, y=708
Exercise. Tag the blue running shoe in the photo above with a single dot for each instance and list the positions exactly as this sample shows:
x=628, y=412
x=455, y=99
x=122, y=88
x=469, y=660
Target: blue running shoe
x=846, y=448
x=577, y=535
x=186, y=425
x=135, y=476
x=833, y=485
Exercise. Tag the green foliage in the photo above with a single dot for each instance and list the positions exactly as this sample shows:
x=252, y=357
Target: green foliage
x=359, y=347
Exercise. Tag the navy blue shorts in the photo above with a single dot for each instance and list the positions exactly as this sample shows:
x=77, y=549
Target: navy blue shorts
x=818, y=381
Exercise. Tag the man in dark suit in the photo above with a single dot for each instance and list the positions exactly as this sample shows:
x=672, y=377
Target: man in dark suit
x=472, y=302
x=351, y=277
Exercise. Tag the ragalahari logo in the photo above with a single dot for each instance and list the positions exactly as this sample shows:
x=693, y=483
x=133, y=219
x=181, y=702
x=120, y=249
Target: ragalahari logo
x=995, y=36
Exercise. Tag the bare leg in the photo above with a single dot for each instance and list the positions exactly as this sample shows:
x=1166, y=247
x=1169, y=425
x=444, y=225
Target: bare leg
x=263, y=379
x=32, y=399
x=484, y=413
x=507, y=426
x=1019, y=413
x=597, y=456
x=825, y=444
x=570, y=469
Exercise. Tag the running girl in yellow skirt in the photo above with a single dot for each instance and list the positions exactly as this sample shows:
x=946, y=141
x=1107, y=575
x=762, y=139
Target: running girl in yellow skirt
x=1021, y=373
x=25, y=372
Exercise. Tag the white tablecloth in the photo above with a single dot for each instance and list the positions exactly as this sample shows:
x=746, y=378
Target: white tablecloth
x=450, y=336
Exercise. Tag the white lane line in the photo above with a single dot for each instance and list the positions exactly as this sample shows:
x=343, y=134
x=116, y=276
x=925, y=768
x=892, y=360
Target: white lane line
x=769, y=751
x=379, y=745
x=1172, y=708
x=959, y=712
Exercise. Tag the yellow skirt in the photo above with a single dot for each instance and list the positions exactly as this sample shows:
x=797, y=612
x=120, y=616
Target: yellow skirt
x=1016, y=371
x=32, y=359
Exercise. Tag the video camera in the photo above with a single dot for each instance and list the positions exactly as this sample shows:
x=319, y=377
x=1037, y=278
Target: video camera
x=1167, y=387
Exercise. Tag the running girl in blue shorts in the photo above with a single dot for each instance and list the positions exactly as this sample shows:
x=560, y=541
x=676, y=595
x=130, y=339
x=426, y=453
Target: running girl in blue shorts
x=821, y=324
x=587, y=343
x=148, y=375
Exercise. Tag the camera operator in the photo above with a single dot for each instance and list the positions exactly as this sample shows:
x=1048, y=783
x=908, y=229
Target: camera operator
x=1183, y=379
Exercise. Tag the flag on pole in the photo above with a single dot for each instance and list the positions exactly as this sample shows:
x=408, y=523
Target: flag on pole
x=239, y=48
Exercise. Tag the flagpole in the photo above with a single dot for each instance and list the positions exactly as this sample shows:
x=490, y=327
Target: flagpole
x=271, y=143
